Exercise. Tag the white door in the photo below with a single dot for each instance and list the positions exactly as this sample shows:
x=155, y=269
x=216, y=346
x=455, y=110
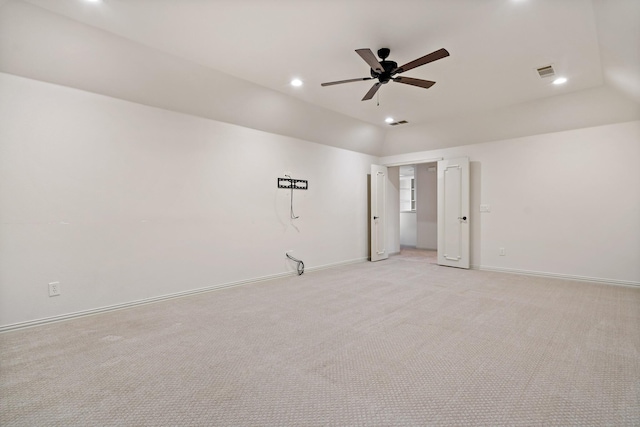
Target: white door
x=453, y=212
x=378, y=203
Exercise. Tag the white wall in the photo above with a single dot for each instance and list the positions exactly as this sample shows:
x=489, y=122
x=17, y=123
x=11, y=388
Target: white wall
x=564, y=203
x=408, y=229
x=426, y=206
x=122, y=202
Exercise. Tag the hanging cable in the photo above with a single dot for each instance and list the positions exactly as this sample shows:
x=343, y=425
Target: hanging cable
x=293, y=216
x=300, y=266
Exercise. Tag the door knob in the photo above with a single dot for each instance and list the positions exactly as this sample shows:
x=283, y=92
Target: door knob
x=464, y=218
x=376, y=217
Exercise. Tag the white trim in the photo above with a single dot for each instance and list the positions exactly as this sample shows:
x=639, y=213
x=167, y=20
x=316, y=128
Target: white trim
x=337, y=264
x=100, y=310
x=557, y=275
x=412, y=162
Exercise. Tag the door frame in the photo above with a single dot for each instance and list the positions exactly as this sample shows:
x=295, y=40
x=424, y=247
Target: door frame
x=419, y=161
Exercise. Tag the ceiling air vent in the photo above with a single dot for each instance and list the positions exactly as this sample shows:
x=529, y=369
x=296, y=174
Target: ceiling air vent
x=546, y=71
x=401, y=122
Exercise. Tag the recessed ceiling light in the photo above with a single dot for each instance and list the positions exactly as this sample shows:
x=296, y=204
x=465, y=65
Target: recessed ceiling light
x=389, y=120
x=559, y=81
x=296, y=82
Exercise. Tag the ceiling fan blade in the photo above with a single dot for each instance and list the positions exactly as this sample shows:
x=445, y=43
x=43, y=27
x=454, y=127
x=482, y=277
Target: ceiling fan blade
x=414, y=82
x=346, y=81
x=370, y=59
x=372, y=91
x=433, y=56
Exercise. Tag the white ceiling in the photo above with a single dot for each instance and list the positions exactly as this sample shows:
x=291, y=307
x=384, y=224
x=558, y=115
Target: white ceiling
x=495, y=46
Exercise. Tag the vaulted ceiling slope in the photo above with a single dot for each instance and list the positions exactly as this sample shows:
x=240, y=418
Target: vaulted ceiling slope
x=232, y=60
x=42, y=45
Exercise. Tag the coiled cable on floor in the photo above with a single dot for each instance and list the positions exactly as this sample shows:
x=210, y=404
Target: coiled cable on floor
x=300, y=267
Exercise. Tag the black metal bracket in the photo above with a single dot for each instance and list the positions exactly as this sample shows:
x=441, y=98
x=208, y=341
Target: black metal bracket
x=296, y=184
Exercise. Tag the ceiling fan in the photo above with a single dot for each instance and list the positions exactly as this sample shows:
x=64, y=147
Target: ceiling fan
x=385, y=70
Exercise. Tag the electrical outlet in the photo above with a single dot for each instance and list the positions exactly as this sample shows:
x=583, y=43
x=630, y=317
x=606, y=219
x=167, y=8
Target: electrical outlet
x=54, y=289
x=502, y=252
x=485, y=208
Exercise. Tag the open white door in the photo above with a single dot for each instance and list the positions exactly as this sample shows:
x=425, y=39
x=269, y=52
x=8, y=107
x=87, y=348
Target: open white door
x=453, y=212
x=378, y=203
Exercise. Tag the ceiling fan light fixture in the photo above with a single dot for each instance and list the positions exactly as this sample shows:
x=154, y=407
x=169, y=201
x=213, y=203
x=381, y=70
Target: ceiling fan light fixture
x=296, y=82
x=389, y=120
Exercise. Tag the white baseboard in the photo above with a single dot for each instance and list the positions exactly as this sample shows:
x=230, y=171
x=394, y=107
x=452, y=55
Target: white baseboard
x=557, y=275
x=105, y=309
x=336, y=264
x=69, y=316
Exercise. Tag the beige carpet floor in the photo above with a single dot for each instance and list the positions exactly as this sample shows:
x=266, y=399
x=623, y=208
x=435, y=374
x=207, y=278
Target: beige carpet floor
x=402, y=342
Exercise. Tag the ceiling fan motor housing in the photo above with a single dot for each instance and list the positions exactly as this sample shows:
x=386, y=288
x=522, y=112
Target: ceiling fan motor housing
x=385, y=76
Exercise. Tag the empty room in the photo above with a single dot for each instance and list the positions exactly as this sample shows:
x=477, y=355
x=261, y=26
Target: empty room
x=319, y=213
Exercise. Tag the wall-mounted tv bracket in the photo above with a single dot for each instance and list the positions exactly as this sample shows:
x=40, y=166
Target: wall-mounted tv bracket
x=293, y=184
x=296, y=184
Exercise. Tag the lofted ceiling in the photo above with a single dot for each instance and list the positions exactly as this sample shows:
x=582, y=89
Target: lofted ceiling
x=495, y=47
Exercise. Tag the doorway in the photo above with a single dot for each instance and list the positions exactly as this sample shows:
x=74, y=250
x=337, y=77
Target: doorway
x=418, y=190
